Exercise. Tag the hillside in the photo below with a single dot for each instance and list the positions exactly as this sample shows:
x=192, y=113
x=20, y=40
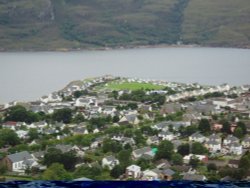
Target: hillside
x=73, y=24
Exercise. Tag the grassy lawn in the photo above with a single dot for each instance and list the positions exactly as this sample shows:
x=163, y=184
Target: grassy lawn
x=133, y=86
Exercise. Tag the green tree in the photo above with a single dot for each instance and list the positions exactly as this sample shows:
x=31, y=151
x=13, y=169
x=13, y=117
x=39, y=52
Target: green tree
x=33, y=134
x=165, y=150
x=111, y=145
x=242, y=125
x=117, y=171
x=177, y=159
x=53, y=155
x=238, y=132
x=56, y=172
x=143, y=163
x=211, y=167
x=78, y=118
x=226, y=126
x=8, y=137
x=194, y=162
x=19, y=113
x=198, y=148
x=85, y=171
x=204, y=126
x=124, y=157
x=62, y=115
x=183, y=149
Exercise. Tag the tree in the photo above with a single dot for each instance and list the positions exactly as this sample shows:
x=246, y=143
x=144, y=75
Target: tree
x=177, y=159
x=183, y=149
x=62, y=115
x=19, y=113
x=33, y=134
x=211, y=167
x=242, y=125
x=165, y=150
x=115, y=119
x=8, y=137
x=124, y=157
x=194, y=162
x=53, y=155
x=117, y=171
x=226, y=126
x=143, y=163
x=204, y=126
x=238, y=132
x=56, y=172
x=85, y=171
x=78, y=118
x=198, y=148
x=111, y=145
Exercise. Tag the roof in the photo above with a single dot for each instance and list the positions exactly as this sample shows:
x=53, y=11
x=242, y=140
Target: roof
x=110, y=158
x=142, y=150
x=168, y=172
x=133, y=168
x=16, y=157
x=194, y=177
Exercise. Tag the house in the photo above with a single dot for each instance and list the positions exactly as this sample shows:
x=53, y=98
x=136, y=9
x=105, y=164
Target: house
x=129, y=119
x=197, y=137
x=235, y=148
x=194, y=177
x=176, y=144
x=126, y=140
x=162, y=164
x=133, y=171
x=151, y=174
x=162, y=126
x=109, y=110
x=167, y=174
x=233, y=163
x=230, y=139
x=97, y=143
x=213, y=146
x=22, y=134
x=85, y=102
x=217, y=127
x=10, y=125
x=246, y=142
x=18, y=162
x=136, y=154
x=214, y=137
x=187, y=158
x=166, y=135
x=80, y=130
x=153, y=140
x=110, y=162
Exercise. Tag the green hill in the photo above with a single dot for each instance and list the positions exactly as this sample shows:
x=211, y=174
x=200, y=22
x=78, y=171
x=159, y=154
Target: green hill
x=73, y=24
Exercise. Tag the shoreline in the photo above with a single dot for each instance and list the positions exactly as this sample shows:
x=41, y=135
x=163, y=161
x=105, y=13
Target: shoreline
x=124, y=48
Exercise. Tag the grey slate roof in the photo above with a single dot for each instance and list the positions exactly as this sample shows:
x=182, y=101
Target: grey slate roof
x=110, y=158
x=193, y=177
x=168, y=172
x=21, y=156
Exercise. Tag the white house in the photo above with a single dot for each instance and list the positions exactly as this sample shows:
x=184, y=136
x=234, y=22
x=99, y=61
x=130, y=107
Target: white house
x=246, y=142
x=187, y=158
x=110, y=162
x=133, y=171
x=166, y=135
x=18, y=162
x=230, y=139
x=197, y=137
x=213, y=146
x=136, y=154
x=153, y=140
x=151, y=175
x=235, y=148
x=131, y=118
x=22, y=133
x=85, y=102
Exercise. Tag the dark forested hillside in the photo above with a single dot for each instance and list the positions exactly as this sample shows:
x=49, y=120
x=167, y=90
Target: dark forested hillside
x=73, y=24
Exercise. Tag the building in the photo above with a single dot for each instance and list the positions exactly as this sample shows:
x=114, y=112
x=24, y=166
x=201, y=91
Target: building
x=133, y=171
x=110, y=162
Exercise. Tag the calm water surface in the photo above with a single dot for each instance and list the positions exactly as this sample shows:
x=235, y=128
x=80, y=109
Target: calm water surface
x=29, y=75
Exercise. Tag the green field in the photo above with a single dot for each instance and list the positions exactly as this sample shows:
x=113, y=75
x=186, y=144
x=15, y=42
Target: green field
x=133, y=86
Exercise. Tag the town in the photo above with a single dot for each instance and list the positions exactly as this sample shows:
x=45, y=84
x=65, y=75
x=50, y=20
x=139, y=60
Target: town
x=116, y=128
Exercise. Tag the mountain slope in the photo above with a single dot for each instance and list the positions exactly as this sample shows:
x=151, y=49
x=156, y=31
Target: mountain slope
x=73, y=24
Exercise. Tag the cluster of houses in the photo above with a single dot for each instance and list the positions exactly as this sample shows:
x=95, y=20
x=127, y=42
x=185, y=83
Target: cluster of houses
x=91, y=106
